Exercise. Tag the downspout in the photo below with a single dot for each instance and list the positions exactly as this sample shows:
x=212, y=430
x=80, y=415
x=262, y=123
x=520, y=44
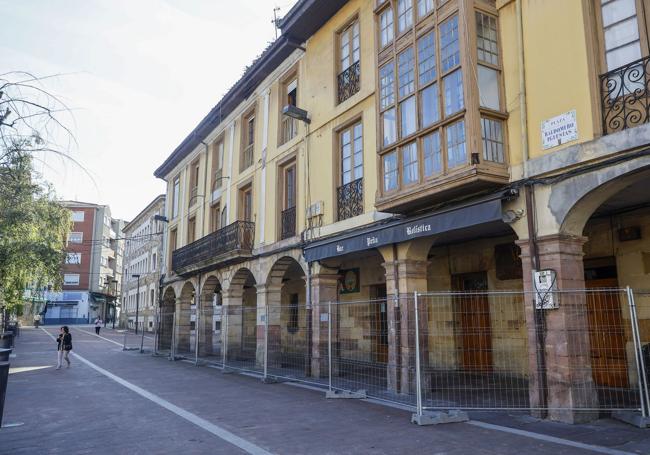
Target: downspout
x=310, y=324
x=397, y=317
x=539, y=319
x=206, y=190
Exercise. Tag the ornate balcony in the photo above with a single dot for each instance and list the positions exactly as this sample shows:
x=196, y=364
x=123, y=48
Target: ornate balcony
x=349, y=82
x=288, y=221
x=625, y=96
x=349, y=199
x=226, y=245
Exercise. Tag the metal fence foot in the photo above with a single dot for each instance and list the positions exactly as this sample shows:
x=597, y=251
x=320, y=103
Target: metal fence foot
x=269, y=380
x=633, y=418
x=438, y=417
x=359, y=394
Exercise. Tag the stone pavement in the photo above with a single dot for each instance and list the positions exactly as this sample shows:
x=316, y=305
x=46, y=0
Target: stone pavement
x=123, y=402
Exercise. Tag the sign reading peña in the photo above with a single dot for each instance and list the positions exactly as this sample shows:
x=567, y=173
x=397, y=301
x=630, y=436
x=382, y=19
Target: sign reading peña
x=559, y=130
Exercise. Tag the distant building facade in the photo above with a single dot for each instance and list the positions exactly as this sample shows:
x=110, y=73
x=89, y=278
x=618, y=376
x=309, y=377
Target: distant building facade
x=143, y=258
x=91, y=273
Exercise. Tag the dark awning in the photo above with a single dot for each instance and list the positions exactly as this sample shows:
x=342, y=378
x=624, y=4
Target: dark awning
x=483, y=212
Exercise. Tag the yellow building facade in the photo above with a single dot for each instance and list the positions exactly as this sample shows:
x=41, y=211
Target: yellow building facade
x=384, y=147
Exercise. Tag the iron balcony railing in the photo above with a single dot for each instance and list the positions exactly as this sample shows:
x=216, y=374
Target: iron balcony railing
x=349, y=199
x=236, y=237
x=247, y=157
x=288, y=221
x=625, y=96
x=349, y=81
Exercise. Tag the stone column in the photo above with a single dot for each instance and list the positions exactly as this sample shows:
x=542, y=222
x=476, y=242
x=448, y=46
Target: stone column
x=231, y=323
x=403, y=278
x=569, y=381
x=183, y=325
x=268, y=307
x=205, y=324
x=324, y=286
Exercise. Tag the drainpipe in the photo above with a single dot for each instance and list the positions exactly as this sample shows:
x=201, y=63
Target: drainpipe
x=310, y=327
x=539, y=319
x=397, y=317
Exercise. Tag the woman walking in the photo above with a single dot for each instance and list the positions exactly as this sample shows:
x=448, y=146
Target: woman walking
x=64, y=346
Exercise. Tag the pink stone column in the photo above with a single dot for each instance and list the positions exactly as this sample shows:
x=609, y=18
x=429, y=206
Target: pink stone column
x=324, y=289
x=569, y=382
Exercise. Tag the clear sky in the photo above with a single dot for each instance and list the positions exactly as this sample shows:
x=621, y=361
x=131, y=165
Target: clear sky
x=138, y=74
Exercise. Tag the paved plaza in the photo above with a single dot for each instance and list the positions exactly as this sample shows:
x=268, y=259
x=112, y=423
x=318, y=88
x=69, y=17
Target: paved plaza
x=113, y=401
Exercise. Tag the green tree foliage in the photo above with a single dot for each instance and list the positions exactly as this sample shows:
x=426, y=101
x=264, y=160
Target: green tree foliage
x=33, y=229
x=33, y=225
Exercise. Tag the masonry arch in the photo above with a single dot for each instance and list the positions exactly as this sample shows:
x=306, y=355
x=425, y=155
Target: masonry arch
x=573, y=201
x=209, y=317
x=241, y=318
x=286, y=296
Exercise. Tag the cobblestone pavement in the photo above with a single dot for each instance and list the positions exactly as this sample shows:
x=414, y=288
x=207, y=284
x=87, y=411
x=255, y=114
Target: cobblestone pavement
x=123, y=402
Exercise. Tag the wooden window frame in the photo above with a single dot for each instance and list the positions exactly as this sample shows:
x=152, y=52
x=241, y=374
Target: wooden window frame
x=245, y=188
x=338, y=68
x=291, y=75
x=176, y=196
x=195, y=176
x=644, y=32
x=348, y=126
x=215, y=222
x=251, y=113
x=471, y=112
x=216, y=169
x=191, y=236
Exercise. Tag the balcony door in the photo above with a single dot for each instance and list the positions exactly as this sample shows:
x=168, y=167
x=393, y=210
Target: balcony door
x=246, y=203
x=288, y=213
x=350, y=190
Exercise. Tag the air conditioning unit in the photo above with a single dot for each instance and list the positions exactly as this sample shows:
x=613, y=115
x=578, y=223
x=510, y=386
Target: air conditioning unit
x=316, y=209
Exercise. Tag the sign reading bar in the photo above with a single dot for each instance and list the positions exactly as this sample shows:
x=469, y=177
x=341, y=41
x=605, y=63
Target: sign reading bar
x=559, y=130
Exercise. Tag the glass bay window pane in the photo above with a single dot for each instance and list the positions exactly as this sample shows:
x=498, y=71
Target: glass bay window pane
x=406, y=72
x=432, y=155
x=488, y=87
x=449, y=47
x=386, y=24
x=387, y=85
x=408, y=117
x=456, y=153
x=429, y=105
x=410, y=163
x=404, y=15
x=390, y=171
x=424, y=7
x=427, y=58
x=389, y=120
x=454, y=98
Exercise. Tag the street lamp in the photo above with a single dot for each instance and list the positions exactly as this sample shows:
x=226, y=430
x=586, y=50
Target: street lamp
x=137, y=303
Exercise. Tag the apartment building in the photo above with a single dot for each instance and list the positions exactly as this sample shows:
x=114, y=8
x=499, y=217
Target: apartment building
x=92, y=268
x=143, y=259
x=383, y=147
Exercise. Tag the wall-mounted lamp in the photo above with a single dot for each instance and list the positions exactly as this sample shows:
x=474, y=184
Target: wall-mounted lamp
x=295, y=112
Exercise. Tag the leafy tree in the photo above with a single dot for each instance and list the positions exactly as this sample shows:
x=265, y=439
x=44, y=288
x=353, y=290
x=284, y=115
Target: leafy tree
x=33, y=225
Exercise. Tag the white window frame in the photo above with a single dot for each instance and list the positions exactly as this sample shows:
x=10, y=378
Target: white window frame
x=68, y=282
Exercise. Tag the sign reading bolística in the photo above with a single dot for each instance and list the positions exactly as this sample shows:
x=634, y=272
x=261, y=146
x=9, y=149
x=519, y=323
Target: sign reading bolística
x=559, y=130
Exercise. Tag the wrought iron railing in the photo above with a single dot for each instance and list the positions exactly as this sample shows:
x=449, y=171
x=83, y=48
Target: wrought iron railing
x=289, y=129
x=246, y=157
x=349, y=199
x=625, y=96
x=349, y=81
x=238, y=236
x=288, y=221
